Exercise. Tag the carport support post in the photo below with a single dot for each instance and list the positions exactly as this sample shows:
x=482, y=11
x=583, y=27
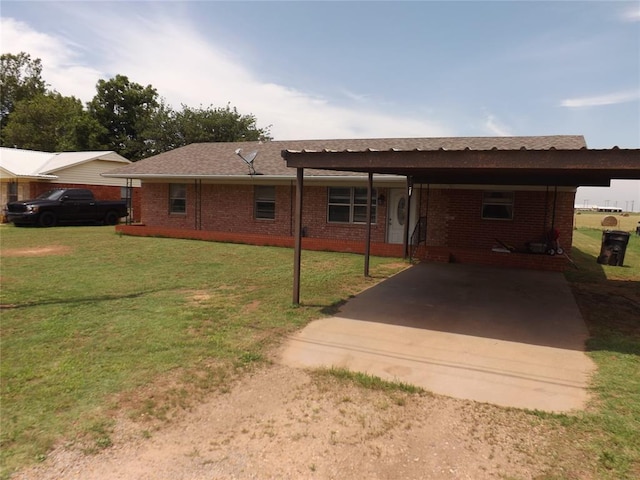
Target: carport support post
x=405, y=236
x=298, y=237
x=367, y=247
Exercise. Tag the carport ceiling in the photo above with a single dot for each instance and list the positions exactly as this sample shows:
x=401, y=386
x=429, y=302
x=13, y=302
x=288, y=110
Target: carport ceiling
x=495, y=167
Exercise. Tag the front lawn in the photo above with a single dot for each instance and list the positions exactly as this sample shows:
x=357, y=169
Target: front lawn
x=609, y=299
x=96, y=325
x=89, y=316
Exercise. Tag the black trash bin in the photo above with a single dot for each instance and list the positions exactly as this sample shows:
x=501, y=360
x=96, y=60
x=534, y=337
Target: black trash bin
x=613, y=248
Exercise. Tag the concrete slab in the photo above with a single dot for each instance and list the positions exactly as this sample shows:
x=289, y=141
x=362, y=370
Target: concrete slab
x=509, y=337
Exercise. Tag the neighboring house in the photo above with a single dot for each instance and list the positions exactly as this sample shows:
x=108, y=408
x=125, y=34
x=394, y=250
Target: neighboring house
x=26, y=174
x=209, y=191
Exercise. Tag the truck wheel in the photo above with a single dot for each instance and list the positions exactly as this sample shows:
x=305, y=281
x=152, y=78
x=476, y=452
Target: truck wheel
x=111, y=218
x=47, y=219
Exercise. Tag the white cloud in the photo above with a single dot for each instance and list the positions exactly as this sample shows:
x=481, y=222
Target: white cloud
x=187, y=68
x=494, y=127
x=60, y=66
x=632, y=15
x=600, y=100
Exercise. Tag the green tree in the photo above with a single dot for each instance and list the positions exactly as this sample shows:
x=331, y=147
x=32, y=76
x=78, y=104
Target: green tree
x=126, y=110
x=53, y=123
x=20, y=79
x=171, y=129
x=217, y=125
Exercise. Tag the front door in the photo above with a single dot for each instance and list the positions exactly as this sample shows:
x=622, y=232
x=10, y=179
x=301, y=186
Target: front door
x=397, y=215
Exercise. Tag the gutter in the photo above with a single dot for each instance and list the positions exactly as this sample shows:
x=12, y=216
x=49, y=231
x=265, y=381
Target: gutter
x=36, y=177
x=252, y=179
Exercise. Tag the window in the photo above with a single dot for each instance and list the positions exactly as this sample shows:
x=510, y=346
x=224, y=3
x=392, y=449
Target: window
x=349, y=205
x=265, y=202
x=177, y=198
x=497, y=206
x=125, y=193
x=12, y=194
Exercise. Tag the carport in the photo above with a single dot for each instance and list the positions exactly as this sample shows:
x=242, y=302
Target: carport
x=505, y=336
x=549, y=168
x=510, y=337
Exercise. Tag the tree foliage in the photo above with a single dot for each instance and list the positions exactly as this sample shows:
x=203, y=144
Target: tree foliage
x=52, y=122
x=20, y=79
x=126, y=110
x=123, y=116
x=172, y=129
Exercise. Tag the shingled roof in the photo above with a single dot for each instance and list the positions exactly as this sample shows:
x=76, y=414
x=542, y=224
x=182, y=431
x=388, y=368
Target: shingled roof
x=202, y=160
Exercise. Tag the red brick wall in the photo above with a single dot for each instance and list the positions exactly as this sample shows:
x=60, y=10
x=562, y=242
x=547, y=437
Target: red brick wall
x=454, y=219
x=329, y=245
x=230, y=208
x=455, y=229
x=101, y=192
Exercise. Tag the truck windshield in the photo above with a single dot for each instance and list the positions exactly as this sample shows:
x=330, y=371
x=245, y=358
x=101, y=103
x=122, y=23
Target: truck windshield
x=51, y=195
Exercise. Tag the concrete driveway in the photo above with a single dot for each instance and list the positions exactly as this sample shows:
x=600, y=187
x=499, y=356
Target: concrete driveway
x=503, y=336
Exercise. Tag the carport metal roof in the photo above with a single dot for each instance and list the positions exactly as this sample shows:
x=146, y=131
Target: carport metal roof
x=552, y=167
x=545, y=167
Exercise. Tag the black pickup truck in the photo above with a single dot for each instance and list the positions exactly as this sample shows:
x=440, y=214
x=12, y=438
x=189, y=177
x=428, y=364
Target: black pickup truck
x=70, y=206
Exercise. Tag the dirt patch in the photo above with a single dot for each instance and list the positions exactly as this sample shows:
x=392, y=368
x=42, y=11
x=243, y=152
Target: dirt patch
x=37, y=252
x=251, y=307
x=197, y=297
x=284, y=423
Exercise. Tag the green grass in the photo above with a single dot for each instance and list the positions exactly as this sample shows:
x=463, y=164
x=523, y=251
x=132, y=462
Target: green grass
x=109, y=324
x=370, y=382
x=609, y=299
x=102, y=317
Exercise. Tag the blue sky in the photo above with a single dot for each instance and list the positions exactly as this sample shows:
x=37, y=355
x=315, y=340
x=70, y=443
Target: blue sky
x=361, y=69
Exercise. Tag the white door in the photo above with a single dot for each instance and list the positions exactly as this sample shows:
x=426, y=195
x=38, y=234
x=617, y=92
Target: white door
x=397, y=215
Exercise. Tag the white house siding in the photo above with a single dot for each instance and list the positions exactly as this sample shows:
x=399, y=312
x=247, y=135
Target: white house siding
x=89, y=173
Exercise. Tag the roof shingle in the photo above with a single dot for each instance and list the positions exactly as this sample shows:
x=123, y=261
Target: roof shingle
x=220, y=159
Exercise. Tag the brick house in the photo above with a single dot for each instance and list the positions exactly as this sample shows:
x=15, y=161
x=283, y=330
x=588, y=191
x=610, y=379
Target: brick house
x=25, y=174
x=246, y=192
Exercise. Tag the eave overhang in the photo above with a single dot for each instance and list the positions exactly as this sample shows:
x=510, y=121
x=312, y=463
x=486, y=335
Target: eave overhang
x=254, y=179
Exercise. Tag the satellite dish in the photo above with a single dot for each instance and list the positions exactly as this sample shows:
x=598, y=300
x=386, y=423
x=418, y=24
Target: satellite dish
x=248, y=159
x=251, y=157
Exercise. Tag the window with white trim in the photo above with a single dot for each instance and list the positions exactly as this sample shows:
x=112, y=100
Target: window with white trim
x=265, y=202
x=349, y=205
x=497, y=206
x=178, y=198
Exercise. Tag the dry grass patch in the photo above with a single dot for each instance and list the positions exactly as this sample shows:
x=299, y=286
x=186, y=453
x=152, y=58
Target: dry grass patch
x=37, y=251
